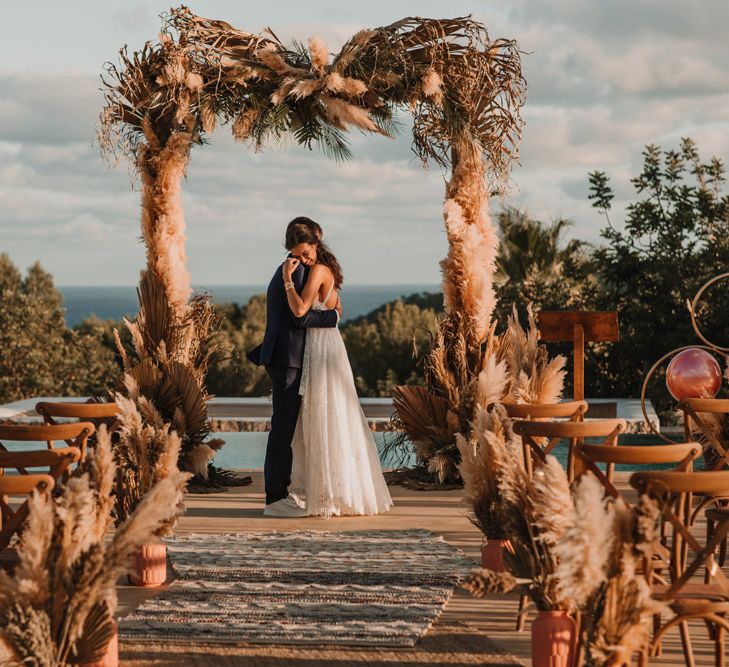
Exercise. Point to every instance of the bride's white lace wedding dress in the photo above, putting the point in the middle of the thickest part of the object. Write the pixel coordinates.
(336, 466)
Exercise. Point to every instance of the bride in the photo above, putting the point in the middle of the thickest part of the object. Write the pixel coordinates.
(336, 466)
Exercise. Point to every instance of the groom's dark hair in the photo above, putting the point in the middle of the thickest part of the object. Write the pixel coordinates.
(301, 227)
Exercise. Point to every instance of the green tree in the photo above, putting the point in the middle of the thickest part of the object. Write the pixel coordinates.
(536, 265)
(675, 237)
(39, 355)
(384, 347)
(241, 330)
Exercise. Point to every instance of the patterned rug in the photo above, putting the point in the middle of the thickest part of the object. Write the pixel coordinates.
(376, 588)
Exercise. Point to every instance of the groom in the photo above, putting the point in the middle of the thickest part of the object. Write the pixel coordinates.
(282, 353)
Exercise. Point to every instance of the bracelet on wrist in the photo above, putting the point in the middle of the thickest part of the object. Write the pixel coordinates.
(289, 285)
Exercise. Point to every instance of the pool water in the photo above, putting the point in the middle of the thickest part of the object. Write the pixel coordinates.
(248, 450)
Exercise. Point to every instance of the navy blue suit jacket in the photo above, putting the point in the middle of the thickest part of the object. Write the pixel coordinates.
(283, 342)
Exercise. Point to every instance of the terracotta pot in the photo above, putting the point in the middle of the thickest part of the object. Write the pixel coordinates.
(492, 554)
(554, 638)
(150, 565)
(111, 657)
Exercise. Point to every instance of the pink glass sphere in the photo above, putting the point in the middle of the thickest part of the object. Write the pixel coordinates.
(693, 373)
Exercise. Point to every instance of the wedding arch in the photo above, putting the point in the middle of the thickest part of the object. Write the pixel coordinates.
(464, 91)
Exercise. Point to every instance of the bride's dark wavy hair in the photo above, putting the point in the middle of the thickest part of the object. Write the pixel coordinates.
(305, 230)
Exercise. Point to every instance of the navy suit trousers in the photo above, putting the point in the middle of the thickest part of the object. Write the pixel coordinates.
(279, 456)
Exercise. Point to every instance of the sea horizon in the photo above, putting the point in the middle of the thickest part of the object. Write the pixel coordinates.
(117, 301)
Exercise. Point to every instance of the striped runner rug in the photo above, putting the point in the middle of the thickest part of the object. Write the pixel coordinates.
(375, 588)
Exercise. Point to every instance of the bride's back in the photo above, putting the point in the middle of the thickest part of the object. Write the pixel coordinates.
(327, 297)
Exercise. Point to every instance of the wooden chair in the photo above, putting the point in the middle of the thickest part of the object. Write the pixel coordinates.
(588, 457)
(718, 457)
(572, 410)
(11, 520)
(716, 454)
(540, 437)
(75, 434)
(708, 601)
(56, 460)
(681, 455)
(567, 410)
(96, 413)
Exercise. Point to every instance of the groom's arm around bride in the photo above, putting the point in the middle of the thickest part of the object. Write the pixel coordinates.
(283, 341)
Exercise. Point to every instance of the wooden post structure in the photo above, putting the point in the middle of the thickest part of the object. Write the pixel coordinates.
(578, 326)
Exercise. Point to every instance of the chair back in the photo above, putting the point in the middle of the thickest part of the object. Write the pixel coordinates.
(588, 456)
(573, 410)
(12, 519)
(540, 437)
(56, 460)
(79, 411)
(75, 434)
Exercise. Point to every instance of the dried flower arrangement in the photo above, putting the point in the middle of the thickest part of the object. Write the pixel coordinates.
(146, 449)
(480, 463)
(465, 378)
(571, 549)
(618, 612)
(164, 372)
(58, 605)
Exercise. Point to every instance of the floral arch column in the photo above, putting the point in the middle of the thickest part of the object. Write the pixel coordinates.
(464, 90)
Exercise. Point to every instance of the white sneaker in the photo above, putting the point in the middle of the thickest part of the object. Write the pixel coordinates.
(286, 508)
(297, 501)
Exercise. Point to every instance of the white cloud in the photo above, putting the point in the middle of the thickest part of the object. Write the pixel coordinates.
(605, 78)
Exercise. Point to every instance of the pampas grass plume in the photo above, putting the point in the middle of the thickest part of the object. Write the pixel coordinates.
(319, 53)
(433, 86)
(583, 555)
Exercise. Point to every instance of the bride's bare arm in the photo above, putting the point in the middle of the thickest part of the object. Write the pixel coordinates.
(300, 305)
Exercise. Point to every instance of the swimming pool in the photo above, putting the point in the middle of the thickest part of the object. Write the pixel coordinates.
(248, 450)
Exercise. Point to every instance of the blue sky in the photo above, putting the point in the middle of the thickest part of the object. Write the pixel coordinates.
(604, 79)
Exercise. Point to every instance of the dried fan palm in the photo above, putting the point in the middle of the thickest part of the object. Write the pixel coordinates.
(167, 367)
(430, 426)
(57, 607)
